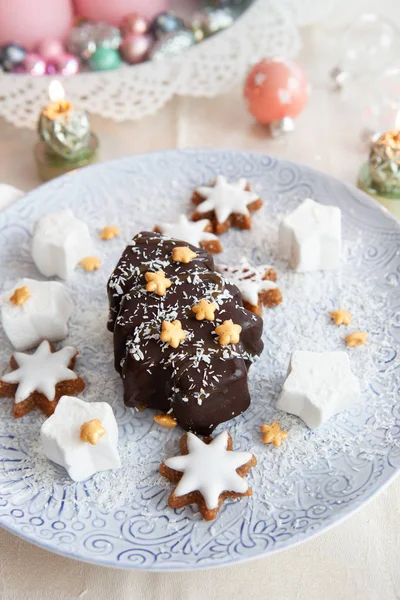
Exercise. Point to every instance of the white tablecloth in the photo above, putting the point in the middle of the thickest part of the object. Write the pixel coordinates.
(356, 560)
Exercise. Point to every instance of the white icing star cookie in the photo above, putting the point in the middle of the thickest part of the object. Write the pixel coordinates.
(226, 199)
(191, 232)
(256, 284)
(41, 371)
(40, 379)
(211, 471)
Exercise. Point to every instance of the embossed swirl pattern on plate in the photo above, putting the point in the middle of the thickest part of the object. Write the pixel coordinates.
(139, 531)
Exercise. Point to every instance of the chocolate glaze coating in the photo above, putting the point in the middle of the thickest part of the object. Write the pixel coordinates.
(203, 382)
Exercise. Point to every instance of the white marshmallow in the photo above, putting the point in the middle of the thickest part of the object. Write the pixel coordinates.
(43, 316)
(60, 437)
(318, 386)
(310, 237)
(60, 242)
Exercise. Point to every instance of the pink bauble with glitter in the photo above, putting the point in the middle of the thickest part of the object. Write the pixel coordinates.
(33, 64)
(67, 64)
(50, 48)
(27, 22)
(133, 23)
(135, 47)
(113, 11)
(276, 88)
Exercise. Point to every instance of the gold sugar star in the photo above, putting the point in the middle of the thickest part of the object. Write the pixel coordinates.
(90, 263)
(273, 434)
(341, 317)
(92, 431)
(157, 282)
(205, 310)
(172, 333)
(20, 295)
(228, 332)
(183, 254)
(109, 232)
(165, 420)
(357, 338)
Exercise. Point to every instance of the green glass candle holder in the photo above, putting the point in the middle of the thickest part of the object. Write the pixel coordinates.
(390, 200)
(50, 165)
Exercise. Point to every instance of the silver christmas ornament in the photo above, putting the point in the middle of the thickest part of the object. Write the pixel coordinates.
(84, 39)
(211, 20)
(173, 44)
(281, 127)
(338, 77)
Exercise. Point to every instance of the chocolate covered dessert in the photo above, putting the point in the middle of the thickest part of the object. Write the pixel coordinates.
(183, 342)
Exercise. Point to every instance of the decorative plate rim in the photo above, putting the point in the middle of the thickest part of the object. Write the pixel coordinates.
(336, 518)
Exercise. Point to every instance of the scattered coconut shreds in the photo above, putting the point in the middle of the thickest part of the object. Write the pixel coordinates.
(301, 322)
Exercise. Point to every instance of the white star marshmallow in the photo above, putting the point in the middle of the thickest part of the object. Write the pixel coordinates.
(226, 198)
(248, 278)
(43, 316)
(310, 237)
(60, 241)
(61, 440)
(191, 232)
(41, 371)
(209, 469)
(318, 386)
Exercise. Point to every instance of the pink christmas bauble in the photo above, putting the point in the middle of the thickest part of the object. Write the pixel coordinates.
(133, 23)
(113, 11)
(135, 47)
(51, 67)
(33, 64)
(276, 88)
(67, 64)
(50, 48)
(29, 21)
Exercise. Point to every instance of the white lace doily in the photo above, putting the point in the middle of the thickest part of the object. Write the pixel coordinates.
(267, 28)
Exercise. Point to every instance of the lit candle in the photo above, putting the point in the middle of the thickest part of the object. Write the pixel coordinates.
(66, 140)
(380, 176)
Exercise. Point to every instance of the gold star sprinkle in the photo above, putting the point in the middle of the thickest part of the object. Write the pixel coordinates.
(165, 421)
(90, 263)
(205, 310)
(20, 295)
(228, 332)
(172, 333)
(341, 317)
(273, 434)
(183, 254)
(157, 282)
(357, 338)
(92, 431)
(109, 232)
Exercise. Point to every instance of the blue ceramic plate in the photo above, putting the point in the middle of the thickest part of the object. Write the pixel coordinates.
(315, 478)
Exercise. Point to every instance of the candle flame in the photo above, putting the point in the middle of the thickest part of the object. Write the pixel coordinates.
(56, 91)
